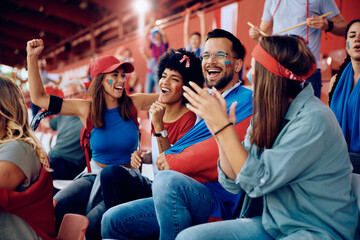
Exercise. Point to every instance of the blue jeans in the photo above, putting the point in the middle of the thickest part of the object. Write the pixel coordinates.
(239, 229)
(121, 185)
(180, 202)
(74, 198)
(315, 81)
(64, 169)
(151, 81)
(137, 219)
(131, 220)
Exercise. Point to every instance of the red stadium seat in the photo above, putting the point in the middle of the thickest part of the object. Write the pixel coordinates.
(73, 227)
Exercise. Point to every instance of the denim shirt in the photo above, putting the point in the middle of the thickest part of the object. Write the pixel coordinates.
(304, 179)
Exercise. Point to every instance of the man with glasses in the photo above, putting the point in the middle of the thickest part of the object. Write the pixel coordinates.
(189, 193)
(67, 158)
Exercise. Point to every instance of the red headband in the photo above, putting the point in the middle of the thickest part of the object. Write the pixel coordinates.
(272, 65)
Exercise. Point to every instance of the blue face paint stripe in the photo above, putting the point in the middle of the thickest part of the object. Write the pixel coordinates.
(110, 81)
(348, 44)
(250, 78)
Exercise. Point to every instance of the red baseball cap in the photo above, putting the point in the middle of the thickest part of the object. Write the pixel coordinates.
(107, 64)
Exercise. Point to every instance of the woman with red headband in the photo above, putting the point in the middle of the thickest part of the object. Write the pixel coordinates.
(294, 157)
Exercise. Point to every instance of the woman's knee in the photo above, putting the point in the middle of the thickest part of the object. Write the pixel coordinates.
(167, 180)
(188, 234)
(106, 223)
(73, 198)
(110, 171)
(115, 173)
(111, 222)
(250, 228)
(168, 184)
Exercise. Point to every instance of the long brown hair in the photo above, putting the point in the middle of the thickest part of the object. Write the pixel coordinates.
(14, 120)
(97, 93)
(272, 93)
(344, 64)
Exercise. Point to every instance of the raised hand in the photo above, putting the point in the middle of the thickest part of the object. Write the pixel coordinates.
(187, 12)
(212, 108)
(157, 111)
(232, 111)
(34, 47)
(254, 33)
(318, 22)
(200, 13)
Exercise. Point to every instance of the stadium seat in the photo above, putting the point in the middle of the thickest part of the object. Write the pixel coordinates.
(73, 227)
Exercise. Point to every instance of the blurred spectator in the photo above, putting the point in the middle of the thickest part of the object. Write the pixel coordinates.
(195, 42)
(67, 158)
(125, 55)
(280, 15)
(88, 76)
(15, 75)
(158, 44)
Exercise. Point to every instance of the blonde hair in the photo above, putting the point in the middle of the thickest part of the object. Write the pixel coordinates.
(14, 120)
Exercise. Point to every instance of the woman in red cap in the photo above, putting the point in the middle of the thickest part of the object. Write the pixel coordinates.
(113, 138)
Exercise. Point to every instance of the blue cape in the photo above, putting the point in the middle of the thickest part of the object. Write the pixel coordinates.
(345, 104)
(199, 132)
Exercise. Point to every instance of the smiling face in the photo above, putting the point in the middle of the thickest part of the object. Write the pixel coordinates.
(195, 41)
(170, 84)
(114, 83)
(219, 73)
(353, 41)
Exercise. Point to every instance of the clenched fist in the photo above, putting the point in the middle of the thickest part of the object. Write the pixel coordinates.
(34, 47)
(157, 111)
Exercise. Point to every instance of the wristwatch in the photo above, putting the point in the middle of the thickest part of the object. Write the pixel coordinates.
(331, 26)
(163, 134)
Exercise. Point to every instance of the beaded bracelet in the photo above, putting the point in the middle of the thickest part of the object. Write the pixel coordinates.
(230, 123)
